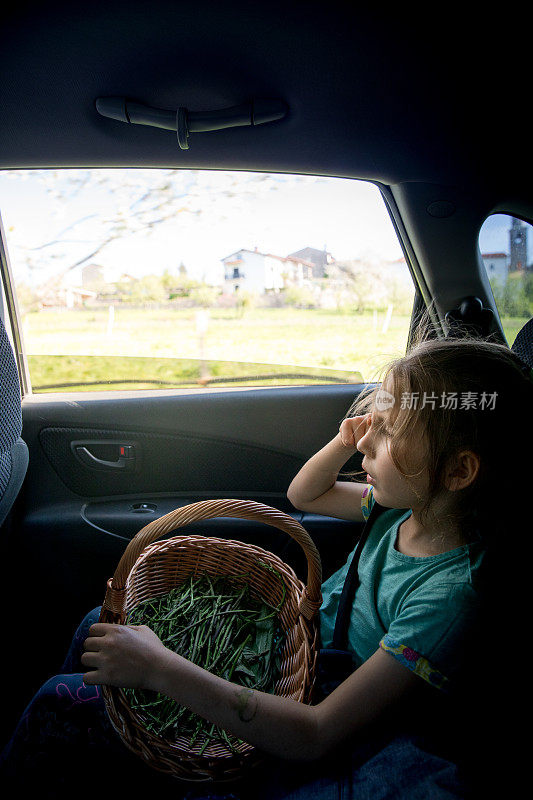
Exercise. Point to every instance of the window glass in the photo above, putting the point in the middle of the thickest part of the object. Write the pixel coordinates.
(506, 245)
(139, 279)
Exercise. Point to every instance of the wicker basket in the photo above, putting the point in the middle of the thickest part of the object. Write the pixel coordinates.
(149, 568)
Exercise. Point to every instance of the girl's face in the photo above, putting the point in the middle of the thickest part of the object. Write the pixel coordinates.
(391, 488)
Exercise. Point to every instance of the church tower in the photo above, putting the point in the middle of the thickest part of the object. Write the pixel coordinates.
(518, 245)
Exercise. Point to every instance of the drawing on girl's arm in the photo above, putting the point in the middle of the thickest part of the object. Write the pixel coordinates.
(246, 705)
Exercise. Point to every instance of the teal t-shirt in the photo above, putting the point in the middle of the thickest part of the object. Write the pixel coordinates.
(418, 609)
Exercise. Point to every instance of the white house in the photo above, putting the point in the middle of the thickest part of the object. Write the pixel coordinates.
(497, 266)
(252, 271)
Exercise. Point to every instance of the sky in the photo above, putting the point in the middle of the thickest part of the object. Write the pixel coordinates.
(213, 214)
(280, 215)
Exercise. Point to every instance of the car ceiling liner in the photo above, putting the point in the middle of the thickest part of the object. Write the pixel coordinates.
(185, 122)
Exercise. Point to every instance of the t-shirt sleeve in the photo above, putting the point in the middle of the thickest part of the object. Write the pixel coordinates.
(367, 501)
(430, 634)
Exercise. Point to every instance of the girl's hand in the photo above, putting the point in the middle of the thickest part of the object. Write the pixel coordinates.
(352, 429)
(127, 656)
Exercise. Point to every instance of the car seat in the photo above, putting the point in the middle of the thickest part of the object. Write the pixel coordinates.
(13, 450)
(523, 344)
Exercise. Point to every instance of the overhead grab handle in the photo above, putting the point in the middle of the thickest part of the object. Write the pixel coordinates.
(185, 122)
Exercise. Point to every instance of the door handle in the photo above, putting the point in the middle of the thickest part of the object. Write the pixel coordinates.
(126, 455)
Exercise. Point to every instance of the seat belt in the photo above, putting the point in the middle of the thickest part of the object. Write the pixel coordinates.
(335, 663)
(342, 620)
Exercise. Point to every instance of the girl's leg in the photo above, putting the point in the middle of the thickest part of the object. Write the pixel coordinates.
(400, 768)
(64, 722)
(72, 661)
(64, 747)
(404, 768)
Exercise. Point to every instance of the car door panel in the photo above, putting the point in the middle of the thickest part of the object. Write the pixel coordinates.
(246, 444)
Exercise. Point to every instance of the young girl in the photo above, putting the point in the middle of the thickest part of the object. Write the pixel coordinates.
(431, 439)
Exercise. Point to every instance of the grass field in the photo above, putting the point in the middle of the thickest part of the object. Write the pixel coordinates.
(145, 348)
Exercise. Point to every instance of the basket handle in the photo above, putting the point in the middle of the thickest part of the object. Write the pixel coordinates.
(208, 509)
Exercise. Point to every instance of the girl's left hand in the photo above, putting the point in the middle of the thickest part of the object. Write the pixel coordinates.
(127, 656)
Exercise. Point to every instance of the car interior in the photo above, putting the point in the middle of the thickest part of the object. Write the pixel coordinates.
(429, 108)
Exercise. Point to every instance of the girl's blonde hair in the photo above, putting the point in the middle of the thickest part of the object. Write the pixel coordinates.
(461, 394)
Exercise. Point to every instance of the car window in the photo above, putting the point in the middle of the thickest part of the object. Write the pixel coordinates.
(506, 245)
(140, 279)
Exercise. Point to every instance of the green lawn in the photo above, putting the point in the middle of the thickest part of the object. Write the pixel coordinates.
(144, 348)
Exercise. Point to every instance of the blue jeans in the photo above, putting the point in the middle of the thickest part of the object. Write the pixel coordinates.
(64, 744)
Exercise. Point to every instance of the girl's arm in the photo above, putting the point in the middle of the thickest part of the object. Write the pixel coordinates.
(133, 656)
(316, 488)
